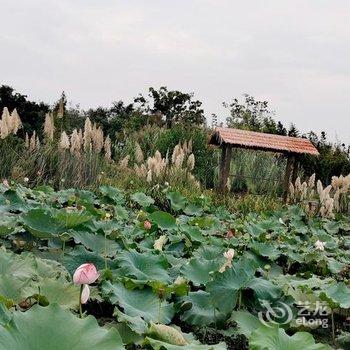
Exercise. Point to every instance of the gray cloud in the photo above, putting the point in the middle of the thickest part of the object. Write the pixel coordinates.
(295, 54)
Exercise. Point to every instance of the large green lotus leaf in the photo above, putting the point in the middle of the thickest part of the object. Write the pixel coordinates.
(292, 284)
(274, 338)
(193, 210)
(337, 295)
(199, 270)
(177, 201)
(27, 265)
(5, 315)
(135, 323)
(59, 292)
(266, 250)
(80, 256)
(206, 222)
(202, 311)
(20, 274)
(247, 323)
(129, 336)
(225, 286)
(13, 290)
(194, 233)
(8, 224)
(41, 224)
(121, 213)
(143, 303)
(71, 219)
(264, 289)
(336, 266)
(15, 200)
(160, 345)
(56, 329)
(96, 242)
(164, 220)
(208, 252)
(142, 199)
(332, 227)
(299, 226)
(46, 268)
(113, 193)
(143, 266)
(18, 266)
(255, 230)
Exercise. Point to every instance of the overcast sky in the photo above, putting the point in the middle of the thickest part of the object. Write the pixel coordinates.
(295, 54)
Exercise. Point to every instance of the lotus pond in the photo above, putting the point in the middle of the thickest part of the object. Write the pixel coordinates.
(190, 276)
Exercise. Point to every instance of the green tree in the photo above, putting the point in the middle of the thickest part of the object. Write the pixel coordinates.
(172, 105)
(250, 115)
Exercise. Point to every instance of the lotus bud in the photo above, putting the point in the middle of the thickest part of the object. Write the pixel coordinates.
(85, 274)
(229, 234)
(147, 225)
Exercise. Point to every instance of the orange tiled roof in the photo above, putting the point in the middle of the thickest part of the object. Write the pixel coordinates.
(262, 141)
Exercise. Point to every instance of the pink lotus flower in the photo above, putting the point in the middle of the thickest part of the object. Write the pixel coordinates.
(147, 225)
(85, 294)
(229, 254)
(5, 183)
(228, 263)
(85, 274)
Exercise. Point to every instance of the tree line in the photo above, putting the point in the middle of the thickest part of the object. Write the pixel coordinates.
(167, 108)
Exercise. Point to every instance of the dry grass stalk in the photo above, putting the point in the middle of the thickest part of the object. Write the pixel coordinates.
(107, 148)
(139, 157)
(49, 127)
(75, 142)
(334, 198)
(9, 123)
(64, 143)
(157, 169)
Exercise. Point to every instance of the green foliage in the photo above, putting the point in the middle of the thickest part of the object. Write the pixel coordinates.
(175, 106)
(274, 338)
(275, 266)
(53, 328)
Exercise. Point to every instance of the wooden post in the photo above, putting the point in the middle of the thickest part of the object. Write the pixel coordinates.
(295, 169)
(290, 161)
(225, 167)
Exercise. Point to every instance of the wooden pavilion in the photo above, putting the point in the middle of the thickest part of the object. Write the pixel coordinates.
(290, 147)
